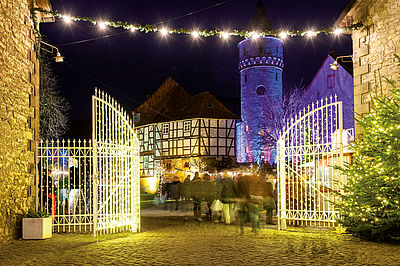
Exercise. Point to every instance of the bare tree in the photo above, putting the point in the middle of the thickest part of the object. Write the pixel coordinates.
(280, 112)
(53, 108)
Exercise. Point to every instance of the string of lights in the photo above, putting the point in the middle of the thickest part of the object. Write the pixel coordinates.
(195, 33)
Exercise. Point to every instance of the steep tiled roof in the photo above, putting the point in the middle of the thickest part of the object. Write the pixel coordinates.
(260, 21)
(172, 102)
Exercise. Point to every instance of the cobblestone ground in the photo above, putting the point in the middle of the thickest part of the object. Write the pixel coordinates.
(173, 237)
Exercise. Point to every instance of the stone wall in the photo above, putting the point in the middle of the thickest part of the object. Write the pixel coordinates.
(374, 48)
(19, 88)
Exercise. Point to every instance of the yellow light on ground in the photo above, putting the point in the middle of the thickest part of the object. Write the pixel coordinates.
(67, 19)
(195, 34)
(283, 35)
(102, 25)
(337, 31)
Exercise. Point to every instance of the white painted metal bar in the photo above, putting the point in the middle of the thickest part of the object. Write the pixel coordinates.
(306, 154)
(95, 185)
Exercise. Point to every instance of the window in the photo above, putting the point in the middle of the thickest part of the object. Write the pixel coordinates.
(245, 78)
(276, 76)
(247, 128)
(165, 129)
(261, 90)
(186, 164)
(168, 165)
(186, 126)
(210, 105)
(330, 81)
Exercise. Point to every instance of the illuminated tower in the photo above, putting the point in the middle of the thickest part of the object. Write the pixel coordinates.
(260, 66)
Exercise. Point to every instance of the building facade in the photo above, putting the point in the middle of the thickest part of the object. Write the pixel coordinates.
(374, 48)
(260, 67)
(179, 133)
(19, 111)
(333, 83)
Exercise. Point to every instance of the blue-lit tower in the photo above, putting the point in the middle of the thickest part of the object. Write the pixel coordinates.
(260, 66)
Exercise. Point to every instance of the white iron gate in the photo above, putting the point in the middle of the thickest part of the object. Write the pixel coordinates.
(95, 187)
(116, 167)
(311, 144)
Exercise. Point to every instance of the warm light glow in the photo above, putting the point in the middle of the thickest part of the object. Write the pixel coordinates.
(311, 33)
(67, 19)
(195, 34)
(102, 25)
(334, 66)
(283, 35)
(337, 31)
(225, 35)
(164, 31)
(255, 35)
(132, 29)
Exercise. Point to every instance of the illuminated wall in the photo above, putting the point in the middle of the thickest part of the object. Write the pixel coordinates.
(261, 67)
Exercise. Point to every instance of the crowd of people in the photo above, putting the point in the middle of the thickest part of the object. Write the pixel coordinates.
(227, 199)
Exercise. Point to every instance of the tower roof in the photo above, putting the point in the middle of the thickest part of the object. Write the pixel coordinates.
(260, 19)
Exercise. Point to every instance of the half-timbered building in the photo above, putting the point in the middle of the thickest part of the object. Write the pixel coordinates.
(177, 130)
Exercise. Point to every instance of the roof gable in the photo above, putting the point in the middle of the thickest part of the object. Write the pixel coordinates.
(172, 102)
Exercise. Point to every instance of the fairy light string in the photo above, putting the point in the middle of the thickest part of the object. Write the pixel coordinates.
(149, 28)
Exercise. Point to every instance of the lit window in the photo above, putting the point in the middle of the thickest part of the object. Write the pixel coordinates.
(247, 149)
(186, 126)
(210, 105)
(165, 129)
(261, 90)
(168, 165)
(330, 81)
(247, 128)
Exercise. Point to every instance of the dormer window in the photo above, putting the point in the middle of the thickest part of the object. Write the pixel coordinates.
(210, 105)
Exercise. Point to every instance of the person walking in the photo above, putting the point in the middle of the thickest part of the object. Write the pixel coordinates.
(256, 193)
(269, 202)
(228, 199)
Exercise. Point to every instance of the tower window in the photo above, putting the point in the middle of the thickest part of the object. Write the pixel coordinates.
(261, 90)
(276, 76)
(245, 78)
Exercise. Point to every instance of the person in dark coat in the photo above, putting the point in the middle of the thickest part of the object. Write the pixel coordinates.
(174, 191)
(228, 199)
(256, 193)
(196, 195)
(269, 202)
(241, 192)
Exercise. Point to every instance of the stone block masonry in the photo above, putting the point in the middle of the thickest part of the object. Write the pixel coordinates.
(374, 50)
(19, 114)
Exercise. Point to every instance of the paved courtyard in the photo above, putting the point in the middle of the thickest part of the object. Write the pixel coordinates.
(173, 237)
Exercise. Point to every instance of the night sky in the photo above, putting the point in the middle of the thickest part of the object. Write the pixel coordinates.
(130, 65)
